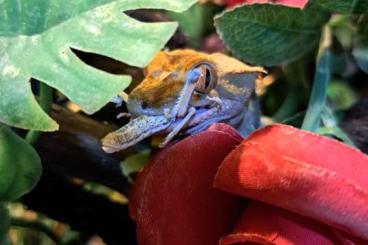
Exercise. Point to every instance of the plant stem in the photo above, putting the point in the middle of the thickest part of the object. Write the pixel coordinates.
(35, 225)
(45, 96)
(295, 76)
(321, 79)
(288, 107)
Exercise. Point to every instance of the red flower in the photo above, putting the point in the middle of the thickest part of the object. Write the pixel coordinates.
(290, 3)
(315, 187)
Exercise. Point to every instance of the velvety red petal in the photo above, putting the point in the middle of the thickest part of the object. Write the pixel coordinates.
(224, 128)
(173, 201)
(290, 3)
(265, 224)
(303, 172)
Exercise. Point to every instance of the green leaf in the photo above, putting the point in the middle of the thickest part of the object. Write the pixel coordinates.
(35, 41)
(318, 96)
(341, 95)
(4, 224)
(135, 163)
(20, 166)
(199, 14)
(270, 34)
(344, 6)
(361, 56)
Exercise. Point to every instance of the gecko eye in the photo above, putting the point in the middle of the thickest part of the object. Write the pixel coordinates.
(207, 80)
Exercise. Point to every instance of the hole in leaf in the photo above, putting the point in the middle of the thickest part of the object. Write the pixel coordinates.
(147, 15)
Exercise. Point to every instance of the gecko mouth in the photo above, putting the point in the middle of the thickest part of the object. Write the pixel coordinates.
(136, 130)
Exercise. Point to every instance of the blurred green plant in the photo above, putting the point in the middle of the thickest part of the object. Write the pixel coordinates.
(361, 56)
(344, 6)
(20, 166)
(4, 224)
(341, 95)
(201, 15)
(28, 227)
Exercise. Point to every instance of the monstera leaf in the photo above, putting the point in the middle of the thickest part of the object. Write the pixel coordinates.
(36, 37)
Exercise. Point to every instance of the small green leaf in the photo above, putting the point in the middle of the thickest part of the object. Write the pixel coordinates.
(4, 224)
(135, 163)
(36, 37)
(318, 96)
(20, 166)
(341, 95)
(344, 6)
(270, 34)
(361, 56)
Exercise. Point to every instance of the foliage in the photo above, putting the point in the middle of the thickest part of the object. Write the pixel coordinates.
(345, 6)
(273, 38)
(20, 166)
(4, 224)
(36, 38)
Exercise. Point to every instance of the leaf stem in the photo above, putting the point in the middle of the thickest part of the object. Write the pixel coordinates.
(45, 96)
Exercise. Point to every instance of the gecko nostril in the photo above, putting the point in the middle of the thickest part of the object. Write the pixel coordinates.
(144, 105)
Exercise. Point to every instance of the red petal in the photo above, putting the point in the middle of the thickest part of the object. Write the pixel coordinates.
(224, 128)
(303, 172)
(264, 224)
(173, 201)
(290, 3)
